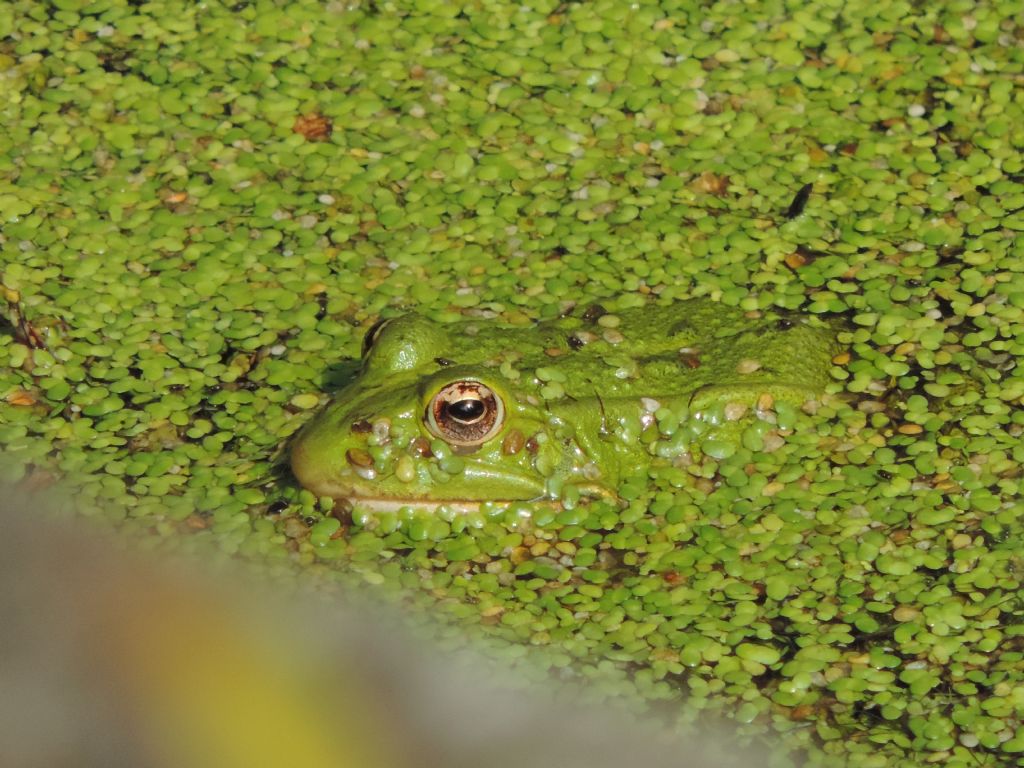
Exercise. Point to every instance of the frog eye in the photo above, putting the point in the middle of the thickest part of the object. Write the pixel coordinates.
(465, 413)
(372, 334)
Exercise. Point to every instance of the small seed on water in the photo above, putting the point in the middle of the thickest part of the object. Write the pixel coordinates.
(795, 260)
(21, 397)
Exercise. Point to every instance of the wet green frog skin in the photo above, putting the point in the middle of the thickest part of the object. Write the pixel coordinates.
(461, 413)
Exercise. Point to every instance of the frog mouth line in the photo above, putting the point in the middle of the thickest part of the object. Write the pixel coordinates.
(459, 506)
(353, 493)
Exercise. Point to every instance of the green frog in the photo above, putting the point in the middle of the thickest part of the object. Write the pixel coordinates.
(459, 414)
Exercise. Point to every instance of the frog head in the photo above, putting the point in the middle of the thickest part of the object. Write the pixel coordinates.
(418, 427)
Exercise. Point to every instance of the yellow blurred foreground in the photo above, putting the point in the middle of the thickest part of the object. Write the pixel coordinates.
(111, 659)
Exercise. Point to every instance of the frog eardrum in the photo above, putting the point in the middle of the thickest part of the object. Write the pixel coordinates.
(465, 413)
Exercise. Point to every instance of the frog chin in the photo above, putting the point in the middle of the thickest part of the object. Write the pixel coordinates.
(366, 491)
(378, 504)
(364, 494)
(368, 500)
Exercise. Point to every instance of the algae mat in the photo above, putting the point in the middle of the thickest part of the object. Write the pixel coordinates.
(204, 206)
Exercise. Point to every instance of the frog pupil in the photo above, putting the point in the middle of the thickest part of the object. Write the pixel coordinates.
(467, 411)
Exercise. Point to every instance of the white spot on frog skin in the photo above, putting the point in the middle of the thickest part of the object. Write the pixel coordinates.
(367, 473)
(649, 405)
(748, 366)
(382, 431)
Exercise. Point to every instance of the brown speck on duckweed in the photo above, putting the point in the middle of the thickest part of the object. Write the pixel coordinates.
(313, 126)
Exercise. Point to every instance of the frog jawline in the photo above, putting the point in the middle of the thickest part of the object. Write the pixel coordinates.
(459, 506)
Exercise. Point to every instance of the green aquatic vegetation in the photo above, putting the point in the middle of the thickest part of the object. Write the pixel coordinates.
(205, 206)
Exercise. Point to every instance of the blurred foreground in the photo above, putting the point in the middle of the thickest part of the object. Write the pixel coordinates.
(111, 659)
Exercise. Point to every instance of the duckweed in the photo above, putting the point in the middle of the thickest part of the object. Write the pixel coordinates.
(204, 206)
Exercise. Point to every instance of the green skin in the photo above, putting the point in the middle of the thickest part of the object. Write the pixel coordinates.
(579, 395)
